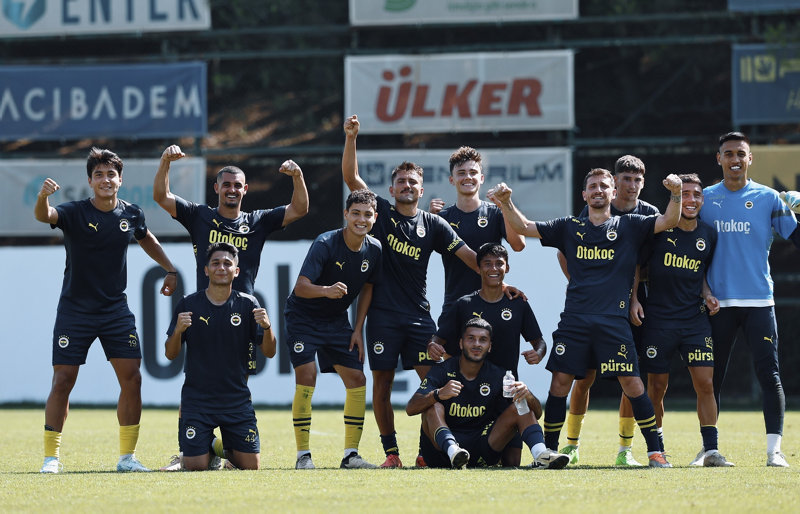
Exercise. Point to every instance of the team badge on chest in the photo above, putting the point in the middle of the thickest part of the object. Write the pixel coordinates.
(611, 235)
(421, 231)
(483, 221)
(124, 225)
(236, 319)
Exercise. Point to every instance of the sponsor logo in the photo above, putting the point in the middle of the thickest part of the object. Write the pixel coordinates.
(581, 234)
(124, 225)
(403, 248)
(732, 226)
(63, 341)
(651, 352)
(394, 222)
(560, 349)
(485, 389)
(16, 12)
(216, 223)
(700, 244)
(236, 319)
(478, 314)
(673, 241)
(453, 244)
(205, 320)
(340, 264)
(451, 374)
(483, 221)
(718, 204)
(613, 366)
(94, 226)
(215, 236)
(466, 411)
(298, 347)
(455, 224)
(190, 432)
(364, 265)
(768, 339)
(506, 314)
(623, 351)
(684, 262)
(611, 235)
(133, 341)
(698, 355)
(595, 254)
(377, 348)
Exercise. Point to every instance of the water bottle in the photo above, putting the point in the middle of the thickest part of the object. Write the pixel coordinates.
(508, 392)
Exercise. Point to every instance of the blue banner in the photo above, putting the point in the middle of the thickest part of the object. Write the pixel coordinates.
(73, 102)
(762, 5)
(766, 84)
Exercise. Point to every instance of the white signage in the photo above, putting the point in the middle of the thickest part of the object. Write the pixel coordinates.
(26, 328)
(34, 18)
(400, 12)
(540, 177)
(24, 178)
(461, 92)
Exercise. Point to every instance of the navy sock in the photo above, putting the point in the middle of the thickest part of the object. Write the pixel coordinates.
(646, 419)
(533, 435)
(389, 443)
(444, 438)
(555, 412)
(709, 434)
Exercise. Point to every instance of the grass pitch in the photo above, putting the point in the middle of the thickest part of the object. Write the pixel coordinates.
(90, 447)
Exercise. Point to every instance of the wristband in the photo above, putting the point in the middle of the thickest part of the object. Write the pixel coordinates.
(172, 273)
(436, 395)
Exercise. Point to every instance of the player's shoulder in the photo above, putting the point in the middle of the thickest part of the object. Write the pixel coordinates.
(492, 370)
(128, 207)
(646, 208)
(373, 243)
(244, 297)
(328, 238)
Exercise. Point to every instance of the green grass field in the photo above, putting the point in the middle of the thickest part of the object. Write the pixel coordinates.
(90, 443)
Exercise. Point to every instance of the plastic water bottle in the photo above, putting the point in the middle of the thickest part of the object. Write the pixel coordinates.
(508, 392)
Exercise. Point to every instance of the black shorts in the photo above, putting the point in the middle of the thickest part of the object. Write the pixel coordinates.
(239, 432)
(330, 342)
(393, 335)
(693, 342)
(73, 335)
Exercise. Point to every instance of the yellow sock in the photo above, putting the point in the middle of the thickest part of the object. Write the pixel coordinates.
(626, 429)
(301, 415)
(52, 443)
(216, 445)
(355, 404)
(574, 426)
(128, 436)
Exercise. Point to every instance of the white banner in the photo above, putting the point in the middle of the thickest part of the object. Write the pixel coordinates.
(417, 12)
(461, 92)
(26, 328)
(540, 177)
(23, 180)
(33, 18)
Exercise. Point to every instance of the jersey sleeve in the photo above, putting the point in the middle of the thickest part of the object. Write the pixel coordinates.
(185, 211)
(66, 212)
(435, 379)
(315, 260)
(256, 332)
(140, 230)
(551, 232)
(376, 262)
(446, 240)
(530, 326)
(181, 307)
(272, 219)
(448, 323)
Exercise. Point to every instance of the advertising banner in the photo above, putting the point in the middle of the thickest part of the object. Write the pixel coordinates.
(23, 179)
(540, 177)
(766, 84)
(461, 92)
(762, 5)
(39, 18)
(26, 330)
(776, 166)
(417, 12)
(130, 100)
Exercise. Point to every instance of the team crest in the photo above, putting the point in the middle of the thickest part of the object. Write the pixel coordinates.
(364, 265)
(377, 348)
(485, 389)
(190, 432)
(298, 347)
(124, 225)
(244, 229)
(236, 319)
(700, 244)
(651, 352)
(133, 341)
(506, 314)
(748, 204)
(560, 349)
(483, 221)
(611, 235)
(421, 231)
(63, 341)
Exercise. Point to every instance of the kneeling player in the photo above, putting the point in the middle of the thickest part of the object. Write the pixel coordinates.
(218, 324)
(340, 264)
(466, 419)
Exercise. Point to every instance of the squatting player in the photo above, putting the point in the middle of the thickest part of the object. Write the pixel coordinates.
(465, 417)
(247, 231)
(400, 323)
(219, 325)
(676, 319)
(93, 304)
(510, 319)
(340, 264)
(744, 214)
(601, 252)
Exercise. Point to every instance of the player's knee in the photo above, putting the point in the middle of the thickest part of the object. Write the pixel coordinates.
(63, 382)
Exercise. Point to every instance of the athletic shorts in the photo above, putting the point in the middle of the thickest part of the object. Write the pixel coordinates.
(73, 335)
(584, 341)
(329, 341)
(693, 342)
(393, 335)
(475, 442)
(239, 432)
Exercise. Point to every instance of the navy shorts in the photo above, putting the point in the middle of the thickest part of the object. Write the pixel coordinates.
(588, 341)
(475, 442)
(330, 342)
(393, 335)
(74, 334)
(694, 343)
(239, 432)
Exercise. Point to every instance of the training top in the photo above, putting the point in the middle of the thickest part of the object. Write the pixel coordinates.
(483, 225)
(480, 400)
(677, 265)
(408, 242)
(247, 233)
(509, 319)
(218, 348)
(328, 261)
(96, 244)
(601, 260)
(744, 220)
(642, 207)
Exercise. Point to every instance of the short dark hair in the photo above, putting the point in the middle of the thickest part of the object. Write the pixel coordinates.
(594, 172)
(102, 156)
(407, 166)
(464, 154)
(733, 136)
(691, 178)
(477, 323)
(629, 164)
(495, 249)
(233, 170)
(222, 247)
(361, 196)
